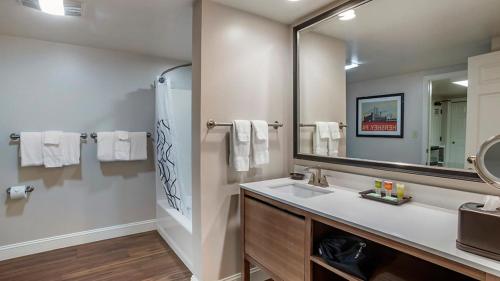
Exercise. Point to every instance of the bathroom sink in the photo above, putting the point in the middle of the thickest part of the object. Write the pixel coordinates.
(301, 190)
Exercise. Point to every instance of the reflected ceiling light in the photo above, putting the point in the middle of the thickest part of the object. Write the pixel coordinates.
(347, 15)
(293, 0)
(351, 66)
(464, 83)
(53, 7)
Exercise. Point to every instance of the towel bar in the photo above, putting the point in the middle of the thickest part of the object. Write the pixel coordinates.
(94, 135)
(212, 124)
(16, 137)
(341, 125)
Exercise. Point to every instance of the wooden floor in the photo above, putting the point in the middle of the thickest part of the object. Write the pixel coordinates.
(140, 257)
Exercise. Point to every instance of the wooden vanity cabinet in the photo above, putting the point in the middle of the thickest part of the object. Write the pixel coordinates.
(281, 240)
(275, 239)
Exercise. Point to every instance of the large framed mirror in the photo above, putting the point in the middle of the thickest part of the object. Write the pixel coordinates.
(400, 85)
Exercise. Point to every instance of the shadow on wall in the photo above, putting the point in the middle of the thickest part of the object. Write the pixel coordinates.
(15, 208)
(129, 169)
(50, 177)
(231, 242)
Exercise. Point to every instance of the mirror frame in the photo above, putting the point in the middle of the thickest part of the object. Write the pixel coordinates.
(371, 164)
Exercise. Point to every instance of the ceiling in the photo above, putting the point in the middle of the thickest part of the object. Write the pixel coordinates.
(283, 11)
(153, 27)
(445, 89)
(390, 37)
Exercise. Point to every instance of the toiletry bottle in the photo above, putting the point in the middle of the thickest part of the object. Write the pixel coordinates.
(388, 188)
(400, 190)
(378, 187)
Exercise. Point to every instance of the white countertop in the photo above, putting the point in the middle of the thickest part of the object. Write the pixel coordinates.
(425, 227)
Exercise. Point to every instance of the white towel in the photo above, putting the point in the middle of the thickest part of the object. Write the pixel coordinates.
(324, 131)
(333, 141)
(138, 146)
(105, 146)
(70, 148)
(320, 144)
(260, 143)
(240, 145)
(52, 137)
(121, 146)
(334, 129)
(123, 135)
(31, 149)
(242, 130)
(51, 149)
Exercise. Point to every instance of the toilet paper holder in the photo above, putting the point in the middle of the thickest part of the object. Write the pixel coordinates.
(29, 188)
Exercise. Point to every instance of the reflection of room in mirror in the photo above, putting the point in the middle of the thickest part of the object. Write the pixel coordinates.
(340, 61)
(323, 89)
(447, 121)
(492, 160)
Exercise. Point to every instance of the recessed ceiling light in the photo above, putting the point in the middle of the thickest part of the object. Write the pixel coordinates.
(53, 7)
(293, 0)
(351, 66)
(347, 15)
(464, 83)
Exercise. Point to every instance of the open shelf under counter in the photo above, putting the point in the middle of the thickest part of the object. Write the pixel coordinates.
(269, 218)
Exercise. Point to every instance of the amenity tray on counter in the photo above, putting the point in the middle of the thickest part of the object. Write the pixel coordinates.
(365, 195)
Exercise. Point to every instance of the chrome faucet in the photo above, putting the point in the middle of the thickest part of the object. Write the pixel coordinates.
(316, 179)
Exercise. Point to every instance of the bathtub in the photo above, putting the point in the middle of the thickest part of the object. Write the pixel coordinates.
(176, 230)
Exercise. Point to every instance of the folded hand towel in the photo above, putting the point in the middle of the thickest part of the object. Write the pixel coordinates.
(333, 147)
(240, 145)
(122, 135)
(105, 146)
(242, 130)
(51, 150)
(121, 146)
(52, 137)
(260, 143)
(70, 148)
(31, 149)
(334, 129)
(333, 141)
(138, 146)
(324, 131)
(320, 144)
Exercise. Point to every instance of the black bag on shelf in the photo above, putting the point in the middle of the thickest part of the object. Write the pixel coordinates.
(347, 253)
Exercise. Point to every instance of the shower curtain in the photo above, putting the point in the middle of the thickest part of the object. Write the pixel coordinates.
(165, 148)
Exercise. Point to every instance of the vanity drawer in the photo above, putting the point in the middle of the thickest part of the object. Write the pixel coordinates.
(275, 239)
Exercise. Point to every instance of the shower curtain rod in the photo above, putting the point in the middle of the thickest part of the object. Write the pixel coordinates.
(162, 79)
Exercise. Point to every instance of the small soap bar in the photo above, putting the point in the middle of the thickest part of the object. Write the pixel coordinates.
(394, 199)
(374, 195)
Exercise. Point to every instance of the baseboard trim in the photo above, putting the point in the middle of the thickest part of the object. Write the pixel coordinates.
(255, 274)
(178, 251)
(73, 239)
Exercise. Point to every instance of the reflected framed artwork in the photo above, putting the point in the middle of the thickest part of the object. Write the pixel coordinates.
(380, 116)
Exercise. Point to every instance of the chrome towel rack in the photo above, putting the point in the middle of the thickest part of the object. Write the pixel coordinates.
(16, 136)
(212, 124)
(341, 125)
(94, 135)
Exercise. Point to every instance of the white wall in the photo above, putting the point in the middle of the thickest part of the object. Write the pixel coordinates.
(47, 85)
(407, 149)
(241, 70)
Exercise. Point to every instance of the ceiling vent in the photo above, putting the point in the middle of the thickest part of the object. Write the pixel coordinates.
(71, 8)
